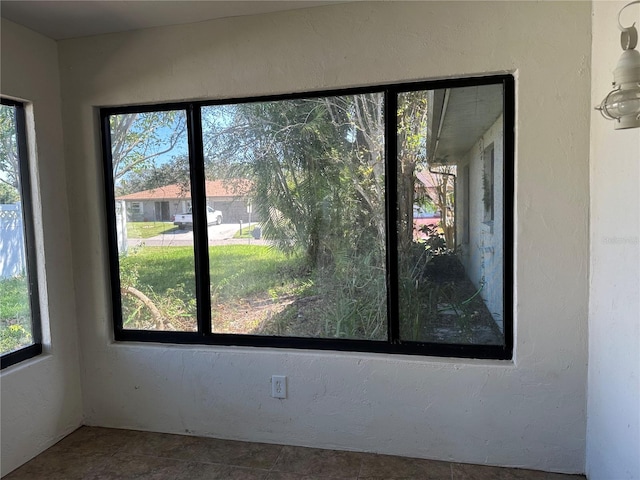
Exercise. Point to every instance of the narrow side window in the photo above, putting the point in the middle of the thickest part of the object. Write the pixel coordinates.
(20, 336)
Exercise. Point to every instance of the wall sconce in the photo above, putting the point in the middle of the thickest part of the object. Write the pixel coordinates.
(622, 104)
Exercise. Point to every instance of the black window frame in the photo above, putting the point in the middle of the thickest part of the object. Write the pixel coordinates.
(35, 349)
(393, 345)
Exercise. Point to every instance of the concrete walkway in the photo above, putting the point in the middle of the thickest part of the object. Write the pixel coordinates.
(218, 235)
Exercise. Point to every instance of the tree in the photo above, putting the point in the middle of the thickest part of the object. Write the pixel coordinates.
(9, 162)
(412, 133)
(362, 118)
(8, 194)
(317, 166)
(137, 139)
(174, 171)
(443, 180)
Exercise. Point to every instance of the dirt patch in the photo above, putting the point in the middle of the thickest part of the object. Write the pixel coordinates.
(248, 315)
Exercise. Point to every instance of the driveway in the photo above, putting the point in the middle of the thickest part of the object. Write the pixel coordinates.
(218, 235)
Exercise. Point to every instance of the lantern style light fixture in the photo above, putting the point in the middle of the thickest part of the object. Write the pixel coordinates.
(622, 104)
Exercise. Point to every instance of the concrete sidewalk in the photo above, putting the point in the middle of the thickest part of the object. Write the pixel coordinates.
(218, 235)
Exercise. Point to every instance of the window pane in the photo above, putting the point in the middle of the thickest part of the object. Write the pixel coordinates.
(16, 330)
(153, 220)
(299, 186)
(450, 215)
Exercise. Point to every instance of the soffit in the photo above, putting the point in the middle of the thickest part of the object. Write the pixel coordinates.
(465, 116)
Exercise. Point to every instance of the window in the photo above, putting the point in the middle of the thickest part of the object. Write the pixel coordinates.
(20, 336)
(326, 220)
(488, 184)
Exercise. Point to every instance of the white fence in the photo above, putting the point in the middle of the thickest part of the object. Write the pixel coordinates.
(13, 259)
(121, 227)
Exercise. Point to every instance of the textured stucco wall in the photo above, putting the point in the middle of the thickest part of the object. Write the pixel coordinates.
(613, 438)
(40, 398)
(529, 412)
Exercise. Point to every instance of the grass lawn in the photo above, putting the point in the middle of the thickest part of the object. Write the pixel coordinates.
(15, 298)
(247, 231)
(235, 270)
(148, 229)
(166, 276)
(15, 314)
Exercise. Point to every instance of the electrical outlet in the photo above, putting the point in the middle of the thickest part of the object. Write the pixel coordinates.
(279, 386)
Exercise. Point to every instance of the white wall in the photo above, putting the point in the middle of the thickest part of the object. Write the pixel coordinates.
(482, 257)
(613, 434)
(530, 412)
(40, 398)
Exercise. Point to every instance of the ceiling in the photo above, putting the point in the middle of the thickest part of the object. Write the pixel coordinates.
(70, 19)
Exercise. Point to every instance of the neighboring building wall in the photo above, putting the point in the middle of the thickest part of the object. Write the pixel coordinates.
(613, 426)
(482, 255)
(146, 211)
(41, 399)
(529, 412)
(233, 209)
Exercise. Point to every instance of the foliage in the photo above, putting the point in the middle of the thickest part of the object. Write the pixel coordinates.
(15, 314)
(317, 166)
(9, 166)
(435, 243)
(305, 159)
(137, 139)
(8, 194)
(13, 337)
(247, 230)
(166, 276)
(442, 178)
(171, 172)
(412, 129)
(15, 299)
(355, 298)
(438, 303)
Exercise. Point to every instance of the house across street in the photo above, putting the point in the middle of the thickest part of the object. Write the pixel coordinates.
(162, 204)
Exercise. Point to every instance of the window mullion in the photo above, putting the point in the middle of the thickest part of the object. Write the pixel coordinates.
(391, 148)
(199, 209)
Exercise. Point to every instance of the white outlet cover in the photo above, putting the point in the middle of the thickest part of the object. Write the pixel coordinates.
(279, 386)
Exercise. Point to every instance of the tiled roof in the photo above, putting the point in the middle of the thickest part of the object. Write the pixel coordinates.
(214, 188)
(426, 180)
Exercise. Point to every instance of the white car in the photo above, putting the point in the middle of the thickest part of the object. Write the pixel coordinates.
(185, 220)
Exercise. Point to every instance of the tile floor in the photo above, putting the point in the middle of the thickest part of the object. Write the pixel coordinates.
(106, 454)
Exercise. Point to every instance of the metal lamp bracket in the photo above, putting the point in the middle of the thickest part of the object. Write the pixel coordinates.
(629, 35)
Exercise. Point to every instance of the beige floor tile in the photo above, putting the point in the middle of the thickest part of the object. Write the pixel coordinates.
(52, 465)
(481, 472)
(229, 452)
(378, 467)
(300, 476)
(324, 463)
(95, 440)
(92, 453)
(124, 466)
(206, 471)
(160, 445)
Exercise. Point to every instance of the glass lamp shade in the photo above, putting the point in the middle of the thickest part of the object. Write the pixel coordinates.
(622, 104)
